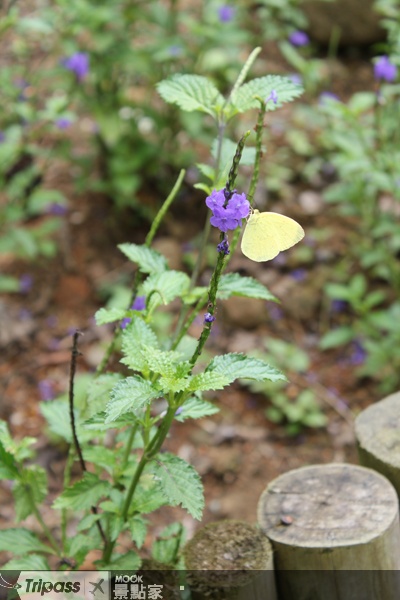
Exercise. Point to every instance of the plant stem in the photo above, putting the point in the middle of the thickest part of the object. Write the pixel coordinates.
(46, 530)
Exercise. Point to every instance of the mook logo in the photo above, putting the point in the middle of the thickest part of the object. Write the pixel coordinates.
(45, 587)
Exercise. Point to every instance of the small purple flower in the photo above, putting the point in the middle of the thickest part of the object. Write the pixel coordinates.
(384, 69)
(296, 79)
(78, 63)
(299, 274)
(327, 96)
(226, 12)
(2, 137)
(338, 306)
(25, 283)
(46, 389)
(139, 304)
(358, 354)
(273, 96)
(275, 312)
(208, 318)
(175, 50)
(63, 123)
(299, 38)
(227, 213)
(56, 209)
(223, 246)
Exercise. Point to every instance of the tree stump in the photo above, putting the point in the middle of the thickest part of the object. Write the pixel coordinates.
(230, 560)
(378, 438)
(335, 533)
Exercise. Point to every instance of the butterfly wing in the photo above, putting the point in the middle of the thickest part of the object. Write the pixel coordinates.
(269, 233)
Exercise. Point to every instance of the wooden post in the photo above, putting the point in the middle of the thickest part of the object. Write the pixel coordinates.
(335, 533)
(230, 560)
(378, 438)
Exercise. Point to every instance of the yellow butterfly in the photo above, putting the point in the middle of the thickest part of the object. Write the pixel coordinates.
(269, 233)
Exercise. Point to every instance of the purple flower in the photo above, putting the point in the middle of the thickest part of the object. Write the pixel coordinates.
(63, 123)
(175, 50)
(273, 96)
(226, 12)
(358, 354)
(2, 137)
(57, 209)
(299, 274)
(384, 69)
(223, 246)
(327, 96)
(25, 283)
(338, 306)
(78, 63)
(46, 389)
(139, 304)
(299, 38)
(227, 212)
(296, 79)
(208, 318)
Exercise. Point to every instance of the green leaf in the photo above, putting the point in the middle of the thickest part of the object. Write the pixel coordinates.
(29, 491)
(84, 493)
(196, 408)
(234, 284)
(87, 522)
(8, 468)
(337, 337)
(9, 284)
(130, 395)
(98, 394)
(109, 315)
(180, 483)
(136, 335)
(149, 260)
(245, 96)
(19, 449)
(191, 92)
(30, 562)
(130, 561)
(148, 497)
(21, 541)
(57, 416)
(138, 529)
(162, 362)
(162, 288)
(235, 366)
(168, 544)
(209, 381)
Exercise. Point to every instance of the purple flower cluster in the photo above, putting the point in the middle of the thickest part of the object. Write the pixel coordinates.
(226, 13)
(384, 69)
(228, 208)
(78, 63)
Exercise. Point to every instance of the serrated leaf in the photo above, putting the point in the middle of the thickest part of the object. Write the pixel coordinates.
(84, 493)
(147, 499)
(191, 92)
(162, 288)
(109, 315)
(21, 541)
(130, 395)
(29, 491)
(8, 468)
(196, 408)
(87, 522)
(243, 98)
(209, 381)
(162, 362)
(138, 529)
(98, 393)
(235, 366)
(81, 544)
(148, 259)
(136, 335)
(19, 449)
(101, 457)
(233, 284)
(30, 562)
(180, 483)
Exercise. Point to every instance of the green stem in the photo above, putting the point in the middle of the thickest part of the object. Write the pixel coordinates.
(161, 213)
(129, 446)
(46, 530)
